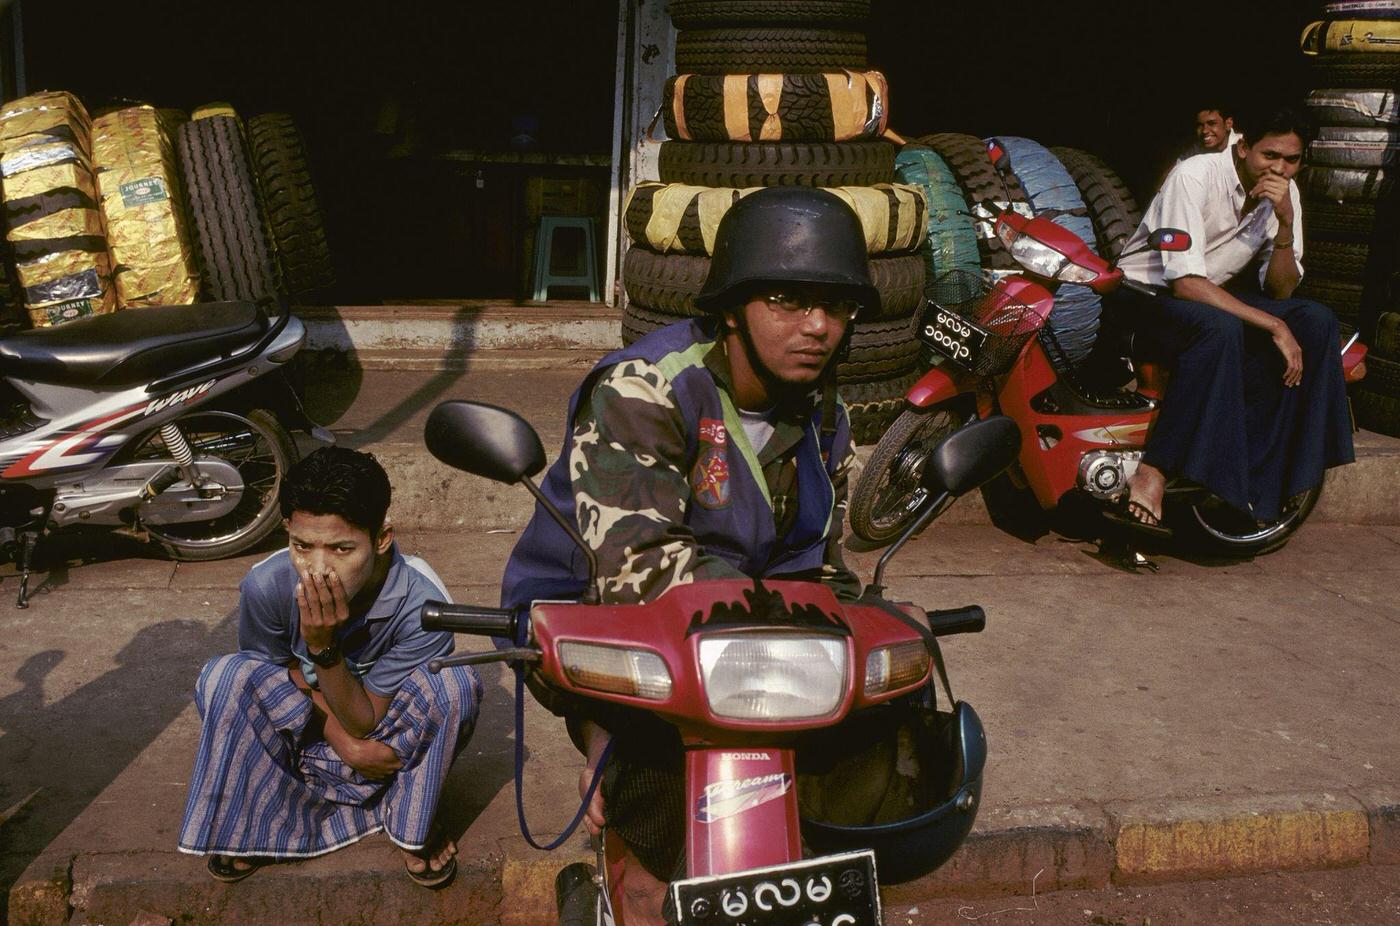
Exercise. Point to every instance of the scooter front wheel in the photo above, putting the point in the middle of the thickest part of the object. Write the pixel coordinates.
(1225, 530)
(888, 497)
(260, 449)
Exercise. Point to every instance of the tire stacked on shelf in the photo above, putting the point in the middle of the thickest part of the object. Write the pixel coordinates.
(234, 250)
(776, 93)
(289, 199)
(1351, 209)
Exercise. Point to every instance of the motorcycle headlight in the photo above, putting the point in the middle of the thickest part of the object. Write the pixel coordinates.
(636, 672)
(1041, 259)
(777, 677)
(891, 667)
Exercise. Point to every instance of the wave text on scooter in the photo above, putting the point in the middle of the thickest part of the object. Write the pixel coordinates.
(736, 795)
(177, 398)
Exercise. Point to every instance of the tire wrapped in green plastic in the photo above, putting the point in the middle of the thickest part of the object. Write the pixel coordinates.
(951, 239)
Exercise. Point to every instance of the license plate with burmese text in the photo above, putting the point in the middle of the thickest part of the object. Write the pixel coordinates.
(834, 890)
(952, 336)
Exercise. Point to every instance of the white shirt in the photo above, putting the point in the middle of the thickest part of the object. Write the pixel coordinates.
(1197, 149)
(1203, 195)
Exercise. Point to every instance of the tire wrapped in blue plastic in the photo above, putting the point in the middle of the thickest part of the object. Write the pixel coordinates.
(1075, 319)
(951, 240)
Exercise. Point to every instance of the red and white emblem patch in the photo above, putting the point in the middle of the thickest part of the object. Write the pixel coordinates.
(709, 478)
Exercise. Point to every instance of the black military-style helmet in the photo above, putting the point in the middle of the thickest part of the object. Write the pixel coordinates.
(788, 235)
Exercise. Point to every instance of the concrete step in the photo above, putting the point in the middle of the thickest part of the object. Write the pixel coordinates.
(452, 329)
(383, 409)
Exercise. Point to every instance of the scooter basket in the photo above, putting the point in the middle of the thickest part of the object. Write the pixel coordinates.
(1000, 324)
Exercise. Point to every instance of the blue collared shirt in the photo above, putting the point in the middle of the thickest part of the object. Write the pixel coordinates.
(382, 647)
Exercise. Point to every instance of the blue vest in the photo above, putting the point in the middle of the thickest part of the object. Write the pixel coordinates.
(729, 510)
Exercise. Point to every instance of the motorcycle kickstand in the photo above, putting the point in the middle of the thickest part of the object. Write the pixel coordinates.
(29, 540)
(1121, 550)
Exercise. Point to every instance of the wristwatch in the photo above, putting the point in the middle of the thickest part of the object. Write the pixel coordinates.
(326, 657)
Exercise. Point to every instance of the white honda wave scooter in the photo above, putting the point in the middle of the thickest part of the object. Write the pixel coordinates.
(168, 424)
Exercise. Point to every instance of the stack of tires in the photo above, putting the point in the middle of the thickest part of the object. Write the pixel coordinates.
(53, 224)
(1351, 207)
(254, 206)
(773, 93)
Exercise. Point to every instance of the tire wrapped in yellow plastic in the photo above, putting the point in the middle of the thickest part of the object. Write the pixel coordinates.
(1346, 36)
(682, 219)
(139, 185)
(830, 107)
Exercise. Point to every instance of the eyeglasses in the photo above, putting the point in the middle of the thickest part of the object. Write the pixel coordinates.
(793, 305)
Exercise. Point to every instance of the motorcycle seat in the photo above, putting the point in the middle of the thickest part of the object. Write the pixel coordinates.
(127, 347)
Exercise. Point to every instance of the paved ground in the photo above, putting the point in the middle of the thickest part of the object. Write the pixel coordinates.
(1215, 718)
(1117, 706)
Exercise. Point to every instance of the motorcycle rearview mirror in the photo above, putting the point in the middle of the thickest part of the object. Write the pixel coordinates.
(1161, 239)
(1001, 161)
(498, 444)
(959, 463)
(484, 440)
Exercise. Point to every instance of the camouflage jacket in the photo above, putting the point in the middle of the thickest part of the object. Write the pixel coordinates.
(630, 478)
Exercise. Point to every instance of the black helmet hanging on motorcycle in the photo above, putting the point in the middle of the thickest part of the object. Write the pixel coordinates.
(788, 235)
(908, 788)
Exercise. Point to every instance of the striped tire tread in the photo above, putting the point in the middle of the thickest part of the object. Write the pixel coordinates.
(1376, 412)
(1339, 221)
(966, 156)
(786, 50)
(667, 283)
(284, 176)
(1341, 296)
(700, 14)
(745, 164)
(233, 247)
(880, 350)
(1386, 341)
(1114, 211)
(1344, 259)
(874, 405)
(1361, 71)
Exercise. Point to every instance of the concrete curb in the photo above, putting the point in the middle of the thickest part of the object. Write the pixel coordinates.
(1013, 851)
(431, 496)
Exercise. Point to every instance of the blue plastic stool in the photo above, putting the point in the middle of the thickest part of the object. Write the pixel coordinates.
(583, 270)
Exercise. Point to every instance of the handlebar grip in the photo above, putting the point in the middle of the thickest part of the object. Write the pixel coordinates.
(1140, 288)
(465, 618)
(971, 619)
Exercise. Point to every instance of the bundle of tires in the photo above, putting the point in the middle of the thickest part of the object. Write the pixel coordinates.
(253, 205)
(1351, 202)
(776, 93)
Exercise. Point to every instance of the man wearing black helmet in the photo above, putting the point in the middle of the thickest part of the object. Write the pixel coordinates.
(712, 448)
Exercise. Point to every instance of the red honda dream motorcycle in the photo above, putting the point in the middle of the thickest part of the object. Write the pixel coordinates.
(743, 670)
(992, 353)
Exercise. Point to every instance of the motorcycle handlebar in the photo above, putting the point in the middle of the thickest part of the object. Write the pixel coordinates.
(464, 618)
(1141, 288)
(971, 619)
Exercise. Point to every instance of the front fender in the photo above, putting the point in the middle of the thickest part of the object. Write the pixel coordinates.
(935, 386)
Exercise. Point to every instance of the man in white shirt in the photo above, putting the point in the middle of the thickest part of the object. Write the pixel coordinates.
(1256, 407)
(1215, 131)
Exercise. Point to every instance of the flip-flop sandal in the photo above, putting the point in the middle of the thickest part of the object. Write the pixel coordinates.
(221, 867)
(1123, 514)
(433, 879)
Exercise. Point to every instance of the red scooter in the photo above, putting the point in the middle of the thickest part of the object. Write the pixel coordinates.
(993, 354)
(744, 671)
